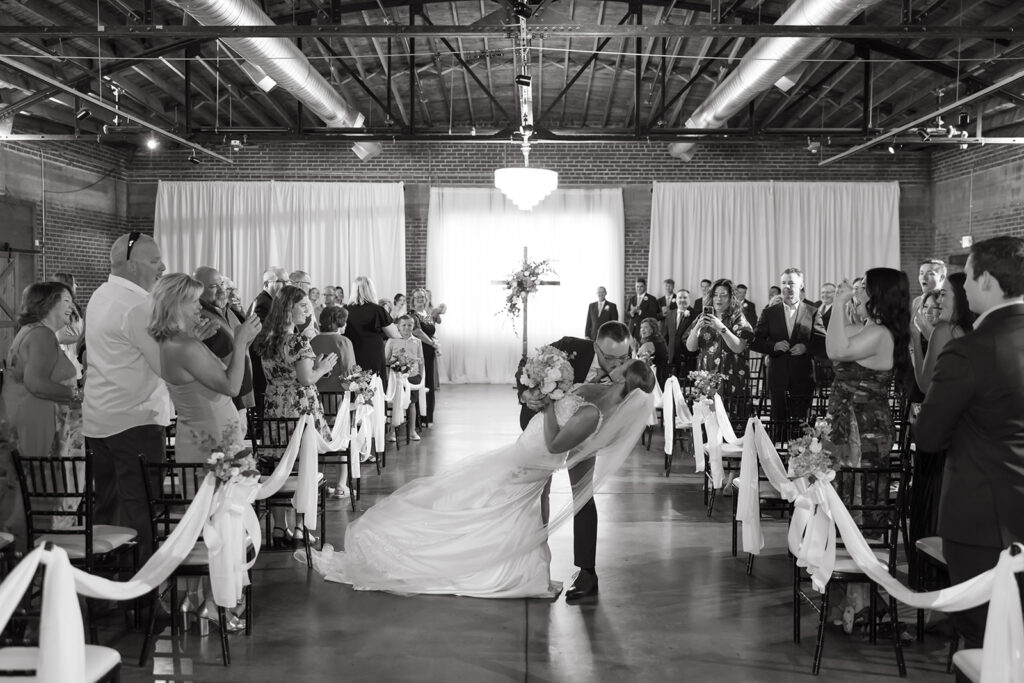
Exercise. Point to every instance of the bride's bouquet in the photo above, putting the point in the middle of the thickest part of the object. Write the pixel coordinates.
(547, 375)
(359, 382)
(808, 454)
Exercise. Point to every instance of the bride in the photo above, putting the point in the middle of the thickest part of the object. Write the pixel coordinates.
(475, 529)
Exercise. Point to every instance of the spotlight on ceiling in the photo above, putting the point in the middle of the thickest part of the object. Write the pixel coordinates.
(193, 159)
(963, 119)
(892, 146)
(521, 10)
(82, 114)
(923, 134)
(523, 80)
(813, 146)
(152, 142)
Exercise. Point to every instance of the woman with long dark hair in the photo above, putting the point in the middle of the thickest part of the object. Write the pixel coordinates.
(955, 319)
(867, 357)
(721, 336)
(292, 370)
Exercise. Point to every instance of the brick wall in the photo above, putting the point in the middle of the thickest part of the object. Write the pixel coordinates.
(80, 195)
(978, 192)
(633, 166)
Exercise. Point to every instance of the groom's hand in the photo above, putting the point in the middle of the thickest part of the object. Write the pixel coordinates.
(535, 404)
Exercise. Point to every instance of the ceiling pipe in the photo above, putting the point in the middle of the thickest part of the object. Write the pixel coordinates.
(767, 61)
(282, 61)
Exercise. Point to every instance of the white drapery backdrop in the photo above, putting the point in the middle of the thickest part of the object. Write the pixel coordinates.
(475, 235)
(750, 232)
(333, 231)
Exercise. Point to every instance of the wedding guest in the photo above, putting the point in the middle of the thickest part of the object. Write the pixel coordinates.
(221, 338)
(292, 370)
(233, 311)
(866, 358)
(425, 330)
(202, 389)
(680, 360)
(332, 339)
(71, 337)
(301, 279)
(945, 315)
(790, 334)
(318, 304)
(703, 300)
(748, 307)
(435, 311)
(973, 412)
(653, 347)
(368, 325)
(399, 307)
(41, 396)
(339, 295)
(667, 302)
(641, 305)
(720, 338)
(599, 312)
(773, 291)
(413, 348)
(386, 305)
(274, 278)
(127, 407)
(930, 275)
(823, 374)
(329, 297)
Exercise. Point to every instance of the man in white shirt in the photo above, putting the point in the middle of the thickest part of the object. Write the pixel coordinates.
(127, 406)
(599, 312)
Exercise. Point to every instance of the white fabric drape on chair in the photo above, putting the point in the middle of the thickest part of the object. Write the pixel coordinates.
(334, 231)
(751, 232)
(475, 236)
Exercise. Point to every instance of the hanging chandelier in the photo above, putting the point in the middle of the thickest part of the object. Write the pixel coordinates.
(524, 185)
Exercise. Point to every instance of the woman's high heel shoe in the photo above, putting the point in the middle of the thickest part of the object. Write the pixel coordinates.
(297, 535)
(281, 537)
(190, 612)
(209, 615)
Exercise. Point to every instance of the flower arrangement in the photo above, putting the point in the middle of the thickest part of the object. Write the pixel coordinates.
(547, 375)
(228, 468)
(402, 363)
(358, 381)
(521, 284)
(808, 454)
(705, 384)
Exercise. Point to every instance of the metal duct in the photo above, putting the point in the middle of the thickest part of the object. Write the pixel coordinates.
(768, 61)
(280, 59)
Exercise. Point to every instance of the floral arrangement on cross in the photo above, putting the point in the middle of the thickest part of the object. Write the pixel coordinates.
(521, 284)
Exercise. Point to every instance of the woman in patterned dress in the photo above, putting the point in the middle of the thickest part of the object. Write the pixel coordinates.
(721, 336)
(292, 369)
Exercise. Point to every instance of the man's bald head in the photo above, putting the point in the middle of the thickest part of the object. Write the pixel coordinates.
(213, 285)
(137, 258)
(300, 279)
(274, 278)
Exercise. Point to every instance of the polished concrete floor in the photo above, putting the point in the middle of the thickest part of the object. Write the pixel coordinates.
(674, 604)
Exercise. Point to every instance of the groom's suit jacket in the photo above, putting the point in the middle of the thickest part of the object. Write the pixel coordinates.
(973, 410)
(581, 357)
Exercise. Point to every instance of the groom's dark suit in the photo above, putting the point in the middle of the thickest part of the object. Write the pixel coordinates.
(584, 527)
(973, 412)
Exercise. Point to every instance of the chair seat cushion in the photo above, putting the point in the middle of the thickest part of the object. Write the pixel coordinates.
(199, 554)
(968, 663)
(846, 565)
(932, 547)
(105, 538)
(99, 661)
(292, 483)
(764, 489)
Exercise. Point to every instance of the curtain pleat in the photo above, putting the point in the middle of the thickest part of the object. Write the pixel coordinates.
(476, 236)
(750, 232)
(334, 231)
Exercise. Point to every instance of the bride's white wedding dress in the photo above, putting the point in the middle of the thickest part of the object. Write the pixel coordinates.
(475, 529)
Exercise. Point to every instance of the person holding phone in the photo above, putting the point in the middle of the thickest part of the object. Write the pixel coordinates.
(719, 336)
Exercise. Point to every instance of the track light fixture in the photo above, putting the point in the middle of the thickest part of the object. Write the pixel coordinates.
(152, 143)
(892, 146)
(193, 159)
(523, 80)
(923, 134)
(82, 114)
(521, 10)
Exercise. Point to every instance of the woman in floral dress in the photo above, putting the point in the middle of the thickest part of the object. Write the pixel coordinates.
(721, 337)
(291, 368)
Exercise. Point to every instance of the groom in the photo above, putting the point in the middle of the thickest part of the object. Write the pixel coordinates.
(592, 361)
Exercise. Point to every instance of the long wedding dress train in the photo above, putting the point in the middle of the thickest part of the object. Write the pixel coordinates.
(475, 529)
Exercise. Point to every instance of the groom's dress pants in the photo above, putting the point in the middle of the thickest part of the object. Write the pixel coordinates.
(584, 523)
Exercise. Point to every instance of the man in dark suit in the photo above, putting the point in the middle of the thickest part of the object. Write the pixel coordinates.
(640, 306)
(749, 309)
(703, 300)
(973, 411)
(823, 373)
(676, 324)
(790, 333)
(274, 279)
(667, 303)
(600, 312)
(592, 361)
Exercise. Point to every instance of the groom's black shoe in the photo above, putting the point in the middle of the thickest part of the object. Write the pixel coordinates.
(584, 586)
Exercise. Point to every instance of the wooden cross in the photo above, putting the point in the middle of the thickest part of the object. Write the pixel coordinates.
(525, 299)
